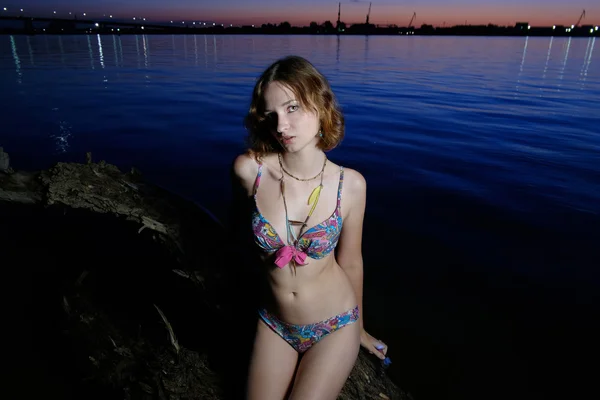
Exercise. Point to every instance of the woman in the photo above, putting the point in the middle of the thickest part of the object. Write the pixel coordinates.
(305, 207)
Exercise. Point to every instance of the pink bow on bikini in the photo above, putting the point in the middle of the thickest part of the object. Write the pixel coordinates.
(287, 253)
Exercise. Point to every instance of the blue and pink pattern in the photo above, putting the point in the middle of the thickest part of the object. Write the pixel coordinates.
(317, 242)
(302, 337)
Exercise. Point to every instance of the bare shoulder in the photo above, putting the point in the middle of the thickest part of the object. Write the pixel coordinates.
(245, 167)
(354, 192)
(354, 182)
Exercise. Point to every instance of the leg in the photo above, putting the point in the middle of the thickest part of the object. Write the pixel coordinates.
(325, 367)
(272, 365)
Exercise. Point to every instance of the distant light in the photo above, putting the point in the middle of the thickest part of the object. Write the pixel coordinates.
(528, 26)
(118, 29)
(194, 23)
(84, 14)
(253, 26)
(171, 21)
(134, 18)
(144, 19)
(591, 31)
(112, 30)
(142, 27)
(213, 24)
(110, 16)
(4, 8)
(205, 24)
(21, 10)
(69, 12)
(97, 24)
(572, 26)
(596, 28)
(554, 27)
(54, 11)
(230, 24)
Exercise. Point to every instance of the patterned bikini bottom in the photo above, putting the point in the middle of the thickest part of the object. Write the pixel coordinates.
(302, 337)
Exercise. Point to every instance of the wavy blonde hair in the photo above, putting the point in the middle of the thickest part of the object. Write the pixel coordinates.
(313, 92)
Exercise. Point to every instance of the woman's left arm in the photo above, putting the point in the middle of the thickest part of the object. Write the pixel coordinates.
(349, 250)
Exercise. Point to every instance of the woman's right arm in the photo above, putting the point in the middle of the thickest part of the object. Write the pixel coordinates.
(243, 175)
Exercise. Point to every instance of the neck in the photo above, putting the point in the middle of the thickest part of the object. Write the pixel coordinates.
(304, 164)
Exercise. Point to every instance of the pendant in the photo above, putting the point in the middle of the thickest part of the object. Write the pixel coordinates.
(314, 198)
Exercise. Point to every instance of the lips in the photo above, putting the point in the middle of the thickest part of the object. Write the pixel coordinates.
(287, 139)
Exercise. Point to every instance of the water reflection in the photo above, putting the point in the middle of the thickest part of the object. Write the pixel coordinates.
(90, 51)
(588, 61)
(15, 54)
(144, 40)
(548, 56)
(100, 51)
(337, 52)
(30, 50)
(62, 137)
(522, 64)
(115, 50)
(137, 49)
(195, 50)
(185, 47)
(215, 48)
(121, 50)
(562, 70)
(205, 52)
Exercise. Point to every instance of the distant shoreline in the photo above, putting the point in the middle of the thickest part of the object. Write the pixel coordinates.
(35, 26)
(258, 32)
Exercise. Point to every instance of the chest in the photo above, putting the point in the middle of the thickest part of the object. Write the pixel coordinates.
(289, 203)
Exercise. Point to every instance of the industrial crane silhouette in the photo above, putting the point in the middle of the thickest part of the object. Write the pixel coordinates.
(580, 18)
(411, 20)
(369, 13)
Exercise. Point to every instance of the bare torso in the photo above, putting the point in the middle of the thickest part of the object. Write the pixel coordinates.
(320, 289)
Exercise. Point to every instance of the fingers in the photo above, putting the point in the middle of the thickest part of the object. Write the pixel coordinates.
(374, 346)
(381, 347)
(378, 350)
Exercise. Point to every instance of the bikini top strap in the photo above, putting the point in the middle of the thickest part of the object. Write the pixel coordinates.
(339, 195)
(257, 180)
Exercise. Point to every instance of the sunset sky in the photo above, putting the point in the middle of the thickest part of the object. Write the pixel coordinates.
(300, 13)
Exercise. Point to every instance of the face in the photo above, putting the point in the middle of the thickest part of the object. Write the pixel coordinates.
(293, 125)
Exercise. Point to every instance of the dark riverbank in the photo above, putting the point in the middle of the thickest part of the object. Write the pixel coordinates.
(118, 290)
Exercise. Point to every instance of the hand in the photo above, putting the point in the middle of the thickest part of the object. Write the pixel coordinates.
(373, 345)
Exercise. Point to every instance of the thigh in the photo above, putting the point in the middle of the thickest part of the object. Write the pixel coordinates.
(325, 367)
(272, 365)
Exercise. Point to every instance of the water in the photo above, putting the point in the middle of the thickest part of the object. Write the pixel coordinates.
(481, 156)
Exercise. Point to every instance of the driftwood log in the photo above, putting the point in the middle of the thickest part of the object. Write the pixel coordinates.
(160, 319)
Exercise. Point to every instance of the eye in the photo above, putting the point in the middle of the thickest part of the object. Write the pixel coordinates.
(293, 108)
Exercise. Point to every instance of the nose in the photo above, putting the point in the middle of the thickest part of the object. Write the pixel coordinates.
(282, 123)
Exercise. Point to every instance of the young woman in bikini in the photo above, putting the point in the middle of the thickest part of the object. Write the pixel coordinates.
(307, 220)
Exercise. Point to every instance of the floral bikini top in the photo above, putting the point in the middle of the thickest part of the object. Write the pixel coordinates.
(317, 242)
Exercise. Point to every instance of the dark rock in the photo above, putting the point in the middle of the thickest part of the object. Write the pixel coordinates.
(4, 161)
